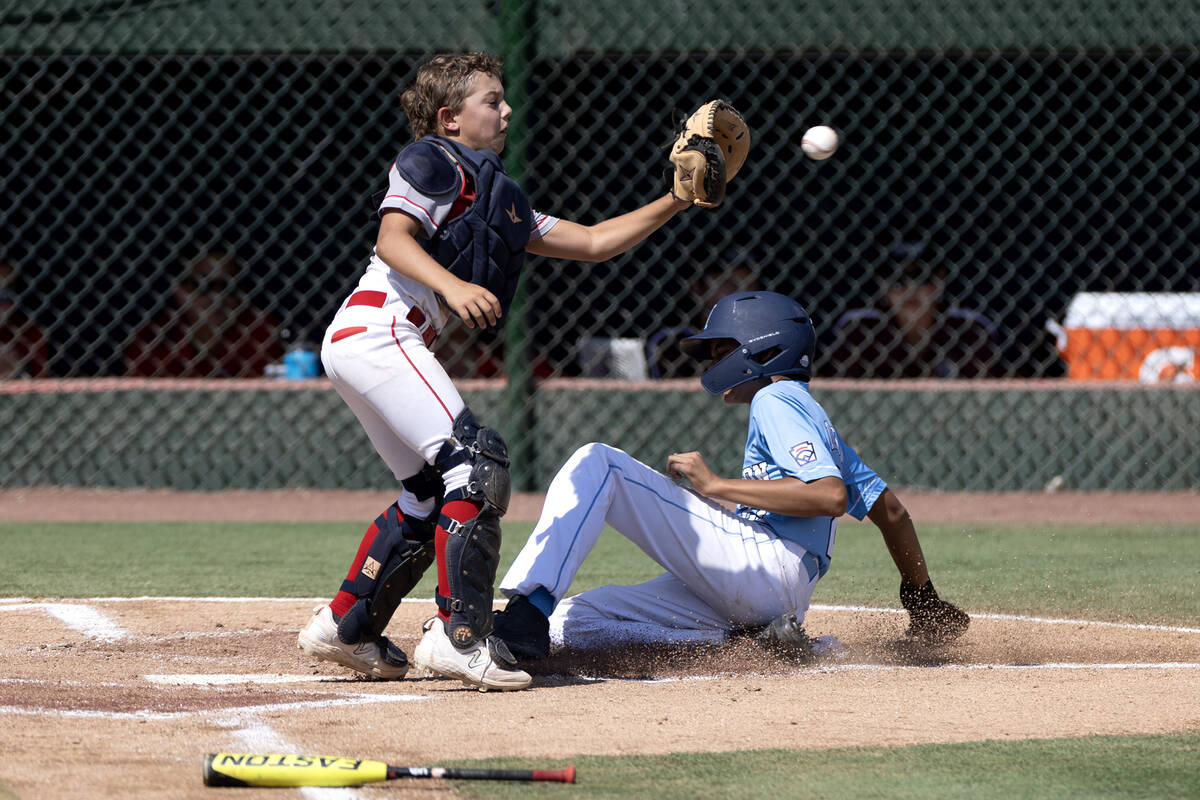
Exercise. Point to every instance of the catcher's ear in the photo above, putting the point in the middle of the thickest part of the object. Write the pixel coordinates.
(447, 119)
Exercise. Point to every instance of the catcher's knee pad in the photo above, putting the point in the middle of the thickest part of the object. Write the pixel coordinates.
(472, 555)
(483, 448)
(396, 560)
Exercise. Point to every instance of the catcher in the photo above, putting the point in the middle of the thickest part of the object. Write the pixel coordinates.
(726, 572)
(453, 231)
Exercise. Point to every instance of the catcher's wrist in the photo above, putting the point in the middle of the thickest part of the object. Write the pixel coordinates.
(678, 202)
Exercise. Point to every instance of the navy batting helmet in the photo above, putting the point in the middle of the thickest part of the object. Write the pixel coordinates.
(774, 336)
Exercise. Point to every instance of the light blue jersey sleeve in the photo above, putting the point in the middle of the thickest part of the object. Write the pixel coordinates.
(810, 459)
(863, 486)
(795, 437)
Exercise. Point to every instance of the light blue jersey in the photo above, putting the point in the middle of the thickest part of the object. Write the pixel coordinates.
(791, 436)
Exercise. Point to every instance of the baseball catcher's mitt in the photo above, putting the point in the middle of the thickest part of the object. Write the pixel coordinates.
(708, 152)
(931, 619)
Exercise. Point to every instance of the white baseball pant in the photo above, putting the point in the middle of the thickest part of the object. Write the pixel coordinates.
(379, 361)
(723, 571)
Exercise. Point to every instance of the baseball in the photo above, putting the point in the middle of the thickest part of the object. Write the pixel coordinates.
(819, 142)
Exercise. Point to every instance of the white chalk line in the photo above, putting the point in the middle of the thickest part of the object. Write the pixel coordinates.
(187, 636)
(258, 737)
(1021, 618)
(814, 607)
(194, 599)
(80, 616)
(266, 708)
(252, 733)
(77, 616)
(235, 678)
(834, 668)
(1164, 665)
(200, 679)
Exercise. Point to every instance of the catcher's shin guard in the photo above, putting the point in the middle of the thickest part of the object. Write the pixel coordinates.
(473, 545)
(399, 556)
(472, 555)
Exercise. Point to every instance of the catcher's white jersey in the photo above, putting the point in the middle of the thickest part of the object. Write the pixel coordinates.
(724, 569)
(432, 214)
(377, 350)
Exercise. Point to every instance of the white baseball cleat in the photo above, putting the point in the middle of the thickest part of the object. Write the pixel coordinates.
(375, 659)
(474, 666)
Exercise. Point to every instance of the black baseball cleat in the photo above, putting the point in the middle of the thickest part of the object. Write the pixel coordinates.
(524, 628)
(783, 637)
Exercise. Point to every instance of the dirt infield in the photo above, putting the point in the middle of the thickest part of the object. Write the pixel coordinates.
(120, 698)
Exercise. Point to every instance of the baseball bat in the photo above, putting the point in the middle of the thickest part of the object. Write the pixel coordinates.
(281, 769)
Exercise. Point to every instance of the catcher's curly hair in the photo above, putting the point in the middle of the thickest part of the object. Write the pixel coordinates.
(444, 80)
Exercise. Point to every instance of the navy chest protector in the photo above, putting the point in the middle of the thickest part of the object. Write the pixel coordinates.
(484, 245)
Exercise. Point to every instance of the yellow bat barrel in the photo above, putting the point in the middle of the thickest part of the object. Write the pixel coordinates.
(282, 769)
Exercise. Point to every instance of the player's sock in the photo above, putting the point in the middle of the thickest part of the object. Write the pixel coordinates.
(343, 600)
(542, 600)
(459, 511)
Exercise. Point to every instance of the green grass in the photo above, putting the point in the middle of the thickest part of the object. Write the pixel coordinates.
(1099, 767)
(1147, 573)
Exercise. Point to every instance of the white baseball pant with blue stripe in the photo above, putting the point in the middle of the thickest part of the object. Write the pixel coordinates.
(722, 572)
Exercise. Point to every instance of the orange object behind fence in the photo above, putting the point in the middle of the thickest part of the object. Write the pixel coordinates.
(1139, 336)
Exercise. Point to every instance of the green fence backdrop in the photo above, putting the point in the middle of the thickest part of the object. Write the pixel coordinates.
(181, 172)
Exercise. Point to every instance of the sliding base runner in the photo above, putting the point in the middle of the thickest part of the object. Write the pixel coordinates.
(280, 769)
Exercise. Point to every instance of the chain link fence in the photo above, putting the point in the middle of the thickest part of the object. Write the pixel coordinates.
(186, 194)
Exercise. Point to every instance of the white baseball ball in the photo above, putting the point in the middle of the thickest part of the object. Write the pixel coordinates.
(819, 142)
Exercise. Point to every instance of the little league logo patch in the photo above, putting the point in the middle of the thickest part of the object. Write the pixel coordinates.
(804, 453)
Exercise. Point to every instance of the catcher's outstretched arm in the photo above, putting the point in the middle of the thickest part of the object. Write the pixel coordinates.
(606, 239)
